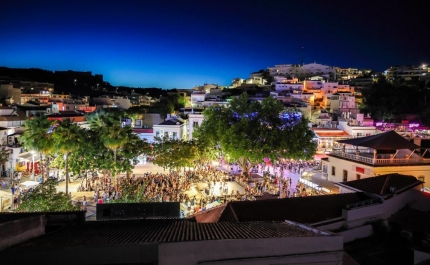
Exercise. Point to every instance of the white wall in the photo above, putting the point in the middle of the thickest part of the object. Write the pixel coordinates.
(416, 170)
(349, 166)
(192, 118)
(180, 130)
(303, 250)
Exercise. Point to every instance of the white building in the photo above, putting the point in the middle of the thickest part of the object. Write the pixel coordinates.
(236, 82)
(327, 138)
(256, 79)
(356, 125)
(346, 73)
(312, 85)
(197, 99)
(288, 86)
(342, 102)
(407, 72)
(303, 71)
(379, 154)
(172, 127)
(194, 121)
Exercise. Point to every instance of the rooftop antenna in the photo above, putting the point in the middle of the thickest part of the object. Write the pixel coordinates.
(302, 57)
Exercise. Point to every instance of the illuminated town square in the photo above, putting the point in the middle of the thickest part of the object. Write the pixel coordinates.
(245, 132)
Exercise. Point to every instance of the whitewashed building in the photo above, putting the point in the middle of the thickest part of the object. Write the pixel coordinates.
(379, 154)
(172, 127)
(194, 121)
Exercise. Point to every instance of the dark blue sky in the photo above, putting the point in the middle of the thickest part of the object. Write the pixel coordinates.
(181, 44)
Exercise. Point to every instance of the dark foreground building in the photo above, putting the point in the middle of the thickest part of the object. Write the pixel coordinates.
(173, 241)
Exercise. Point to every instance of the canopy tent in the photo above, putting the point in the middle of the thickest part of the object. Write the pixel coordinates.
(28, 156)
(386, 140)
(5, 200)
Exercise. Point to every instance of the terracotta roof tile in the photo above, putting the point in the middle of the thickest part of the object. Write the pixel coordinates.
(209, 216)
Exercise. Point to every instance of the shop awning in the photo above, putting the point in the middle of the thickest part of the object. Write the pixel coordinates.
(29, 156)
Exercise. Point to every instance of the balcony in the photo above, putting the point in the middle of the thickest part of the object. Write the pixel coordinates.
(366, 157)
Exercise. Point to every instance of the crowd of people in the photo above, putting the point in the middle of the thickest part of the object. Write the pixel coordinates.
(199, 189)
(175, 186)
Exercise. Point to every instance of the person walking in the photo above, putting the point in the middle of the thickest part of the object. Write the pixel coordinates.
(84, 203)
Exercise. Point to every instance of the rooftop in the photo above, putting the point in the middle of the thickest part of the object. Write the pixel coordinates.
(162, 231)
(136, 130)
(368, 158)
(172, 122)
(305, 210)
(381, 185)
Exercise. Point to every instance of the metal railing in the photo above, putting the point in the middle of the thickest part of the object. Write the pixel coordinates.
(354, 155)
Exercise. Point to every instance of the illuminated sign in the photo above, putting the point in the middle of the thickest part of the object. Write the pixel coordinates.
(359, 170)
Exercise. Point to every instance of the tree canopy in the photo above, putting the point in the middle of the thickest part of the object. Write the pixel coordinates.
(37, 136)
(385, 100)
(45, 198)
(250, 131)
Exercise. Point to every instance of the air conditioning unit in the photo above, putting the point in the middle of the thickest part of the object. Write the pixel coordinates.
(10, 140)
(48, 110)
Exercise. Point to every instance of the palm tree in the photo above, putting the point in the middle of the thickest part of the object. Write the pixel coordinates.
(37, 137)
(67, 138)
(112, 134)
(97, 120)
(114, 137)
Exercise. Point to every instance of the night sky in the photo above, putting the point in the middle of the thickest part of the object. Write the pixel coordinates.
(180, 44)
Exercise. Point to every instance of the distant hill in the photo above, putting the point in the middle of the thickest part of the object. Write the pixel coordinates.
(73, 82)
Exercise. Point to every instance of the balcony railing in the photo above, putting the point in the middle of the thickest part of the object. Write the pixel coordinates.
(367, 157)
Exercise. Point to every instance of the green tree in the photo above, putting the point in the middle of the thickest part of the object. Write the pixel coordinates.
(68, 137)
(385, 100)
(204, 151)
(173, 153)
(37, 136)
(106, 133)
(45, 198)
(250, 131)
(4, 156)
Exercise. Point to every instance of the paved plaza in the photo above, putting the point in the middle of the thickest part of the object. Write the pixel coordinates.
(197, 191)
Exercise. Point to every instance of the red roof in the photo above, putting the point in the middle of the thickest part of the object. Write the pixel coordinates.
(332, 134)
(210, 216)
(143, 130)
